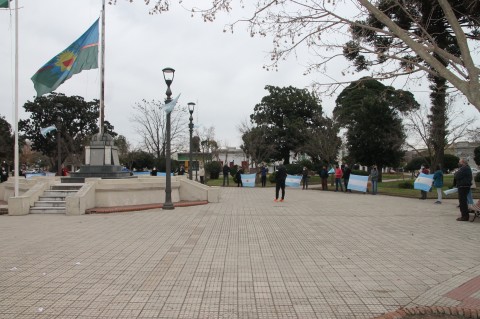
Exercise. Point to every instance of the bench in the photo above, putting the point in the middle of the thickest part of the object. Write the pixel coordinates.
(475, 210)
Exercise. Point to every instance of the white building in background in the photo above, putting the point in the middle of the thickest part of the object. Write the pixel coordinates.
(232, 156)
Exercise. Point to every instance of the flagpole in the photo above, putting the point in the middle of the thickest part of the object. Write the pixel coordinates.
(102, 72)
(16, 151)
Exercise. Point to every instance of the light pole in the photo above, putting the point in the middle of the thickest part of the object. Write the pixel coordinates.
(191, 108)
(59, 150)
(168, 75)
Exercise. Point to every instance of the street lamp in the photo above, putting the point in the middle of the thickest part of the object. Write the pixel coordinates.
(168, 75)
(191, 108)
(59, 150)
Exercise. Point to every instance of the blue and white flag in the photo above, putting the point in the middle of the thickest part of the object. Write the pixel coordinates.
(423, 182)
(358, 183)
(44, 131)
(293, 180)
(170, 105)
(331, 171)
(248, 180)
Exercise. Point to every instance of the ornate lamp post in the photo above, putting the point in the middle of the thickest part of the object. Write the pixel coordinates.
(168, 75)
(59, 149)
(191, 108)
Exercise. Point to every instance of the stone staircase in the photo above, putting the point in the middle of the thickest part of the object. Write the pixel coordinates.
(53, 200)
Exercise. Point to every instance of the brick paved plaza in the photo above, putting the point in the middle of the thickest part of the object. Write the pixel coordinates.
(317, 255)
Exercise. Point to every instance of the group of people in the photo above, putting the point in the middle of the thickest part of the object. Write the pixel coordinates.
(463, 180)
(342, 177)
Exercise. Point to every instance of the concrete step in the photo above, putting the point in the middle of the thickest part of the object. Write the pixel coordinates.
(53, 198)
(56, 203)
(71, 187)
(48, 210)
(59, 193)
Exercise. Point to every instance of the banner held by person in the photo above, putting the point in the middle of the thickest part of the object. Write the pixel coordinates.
(80, 55)
(358, 183)
(248, 180)
(293, 181)
(423, 182)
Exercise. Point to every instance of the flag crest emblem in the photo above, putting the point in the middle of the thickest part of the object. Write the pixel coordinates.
(80, 55)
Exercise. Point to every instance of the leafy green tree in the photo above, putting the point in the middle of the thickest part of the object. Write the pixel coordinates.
(75, 119)
(256, 145)
(287, 115)
(432, 18)
(370, 111)
(476, 155)
(7, 141)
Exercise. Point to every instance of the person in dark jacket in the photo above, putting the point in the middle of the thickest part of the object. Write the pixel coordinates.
(154, 172)
(238, 177)
(305, 177)
(463, 181)
(226, 173)
(280, 177)
(263, 175)
(346, 176)
(324, 176)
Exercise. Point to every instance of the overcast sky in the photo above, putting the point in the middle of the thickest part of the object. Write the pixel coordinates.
(221, 72)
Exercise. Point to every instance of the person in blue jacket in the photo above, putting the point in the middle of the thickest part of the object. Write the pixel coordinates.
(438, 183)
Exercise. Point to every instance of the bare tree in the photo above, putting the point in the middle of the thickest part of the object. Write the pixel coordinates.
(255, 143)
(150, 118)
(420, 130)
(317, 23)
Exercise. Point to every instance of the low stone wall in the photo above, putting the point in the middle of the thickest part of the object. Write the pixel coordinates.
(98, 192)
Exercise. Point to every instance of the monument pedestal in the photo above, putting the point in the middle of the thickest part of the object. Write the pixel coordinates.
(101, 160)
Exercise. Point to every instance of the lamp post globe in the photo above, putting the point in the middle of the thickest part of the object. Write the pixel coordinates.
(168, 75)
(191, 108)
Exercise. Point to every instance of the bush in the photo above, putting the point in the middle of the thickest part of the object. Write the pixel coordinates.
(294, 169)
(406, 185)
(213, 169)
(272, 177)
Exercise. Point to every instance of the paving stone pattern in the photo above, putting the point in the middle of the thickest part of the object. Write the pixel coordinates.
(316, 255)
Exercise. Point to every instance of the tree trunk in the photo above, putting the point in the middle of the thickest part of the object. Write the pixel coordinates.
(438, 118)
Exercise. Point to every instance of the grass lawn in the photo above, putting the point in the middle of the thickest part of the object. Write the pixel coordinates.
(386, 188)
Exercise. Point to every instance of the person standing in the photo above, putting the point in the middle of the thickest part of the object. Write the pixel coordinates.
(463, 181)
(263, 175)
(280, 177)
(154, 172)
(238, 177)
(425, 171)
(181, 170)
(346, 176)
(324, 176)
(305, 177)
(470, 195)
(338, 178)
(201, 173)
(374, 179)
(226, 173)
(3, 174)
(438, 183)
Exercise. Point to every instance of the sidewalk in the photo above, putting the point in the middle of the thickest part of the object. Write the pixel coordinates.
(316, 255)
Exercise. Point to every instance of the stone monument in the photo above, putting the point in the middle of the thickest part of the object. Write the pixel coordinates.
(101, 160)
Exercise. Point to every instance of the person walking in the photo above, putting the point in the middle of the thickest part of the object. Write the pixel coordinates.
(425, 171)
(346, 177)
(338, 178)
(305, 177)
(324, 177)
(374, 179)
(463, 181)
(263, 175)
(438, 183)
(226, 174)
(280, 177)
